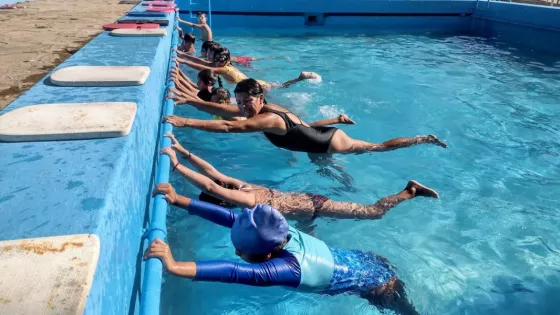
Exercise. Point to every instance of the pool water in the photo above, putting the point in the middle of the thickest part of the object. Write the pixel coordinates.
(489, 246)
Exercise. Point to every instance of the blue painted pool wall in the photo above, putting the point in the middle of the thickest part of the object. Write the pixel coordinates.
(323, 6)
(253, 25)
(288, 16)
(531, 26)
(528, 25)
(117, 283)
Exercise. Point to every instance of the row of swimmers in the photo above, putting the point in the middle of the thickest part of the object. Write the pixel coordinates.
(276, 254)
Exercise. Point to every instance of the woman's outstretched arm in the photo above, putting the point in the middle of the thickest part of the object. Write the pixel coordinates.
(203, 166)
(237, 197)
(261, 122)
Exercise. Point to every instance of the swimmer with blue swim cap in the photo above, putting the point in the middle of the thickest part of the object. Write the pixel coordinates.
(280, 255)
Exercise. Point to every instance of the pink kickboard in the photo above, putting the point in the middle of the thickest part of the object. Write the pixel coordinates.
(159, 4)
(110, 27)
(165, 6)
(161, 9)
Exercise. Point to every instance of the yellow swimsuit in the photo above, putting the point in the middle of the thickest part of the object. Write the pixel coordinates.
(234, 73)
(239, 76)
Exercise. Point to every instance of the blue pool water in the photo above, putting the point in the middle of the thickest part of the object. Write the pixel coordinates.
(488, 246)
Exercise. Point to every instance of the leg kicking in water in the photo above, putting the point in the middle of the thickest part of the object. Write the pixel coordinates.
(276, 254)
(221, 189)
(286, 130)
(351, 210)
(302, 77)
(342, 143)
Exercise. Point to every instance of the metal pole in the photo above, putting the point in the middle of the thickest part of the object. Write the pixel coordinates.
(210, 12)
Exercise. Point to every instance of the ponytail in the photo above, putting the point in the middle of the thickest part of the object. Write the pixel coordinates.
(220, 84)
(221, 54)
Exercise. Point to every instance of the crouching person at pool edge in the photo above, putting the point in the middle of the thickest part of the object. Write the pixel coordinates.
(280, 255)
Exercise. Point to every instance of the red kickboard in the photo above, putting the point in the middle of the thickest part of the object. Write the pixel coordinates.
(159, 4)
(165, 6)
(161, 9)
(110, 27)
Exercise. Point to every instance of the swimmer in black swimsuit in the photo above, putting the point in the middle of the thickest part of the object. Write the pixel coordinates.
(284, 129)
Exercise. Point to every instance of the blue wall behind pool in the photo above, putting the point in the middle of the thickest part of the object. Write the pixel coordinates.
(527, 25)
(91, 186)
(531, 26)
(366, 16)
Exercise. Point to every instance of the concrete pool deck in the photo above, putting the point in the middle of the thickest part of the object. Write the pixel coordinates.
(98, 187)
(36, 39)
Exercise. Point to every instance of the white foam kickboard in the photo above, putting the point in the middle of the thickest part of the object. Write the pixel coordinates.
(124, 32)
(48, 275)
(72, 121)
(100, 76)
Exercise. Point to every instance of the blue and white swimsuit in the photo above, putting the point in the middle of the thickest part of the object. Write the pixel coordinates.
(306, 263)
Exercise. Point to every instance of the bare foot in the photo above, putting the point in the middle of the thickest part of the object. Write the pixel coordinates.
(309, 75)
(343, 119)
(417, 189)
(434, 140)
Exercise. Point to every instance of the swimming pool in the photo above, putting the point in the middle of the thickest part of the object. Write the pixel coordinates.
(488, 246)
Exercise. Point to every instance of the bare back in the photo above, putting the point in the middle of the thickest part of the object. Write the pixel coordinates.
(294, 206)
(291, 115)
(206, 33)
(232, 74)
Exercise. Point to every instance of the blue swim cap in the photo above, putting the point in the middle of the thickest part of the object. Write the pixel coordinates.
(259, 230)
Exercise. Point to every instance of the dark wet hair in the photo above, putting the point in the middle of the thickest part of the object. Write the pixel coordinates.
(189, 38)
(200, 14)
(209, 77)
(249, 86)
(213, 200)
(181, 34)
(222, 94)
(221, 54)
(209, 44)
